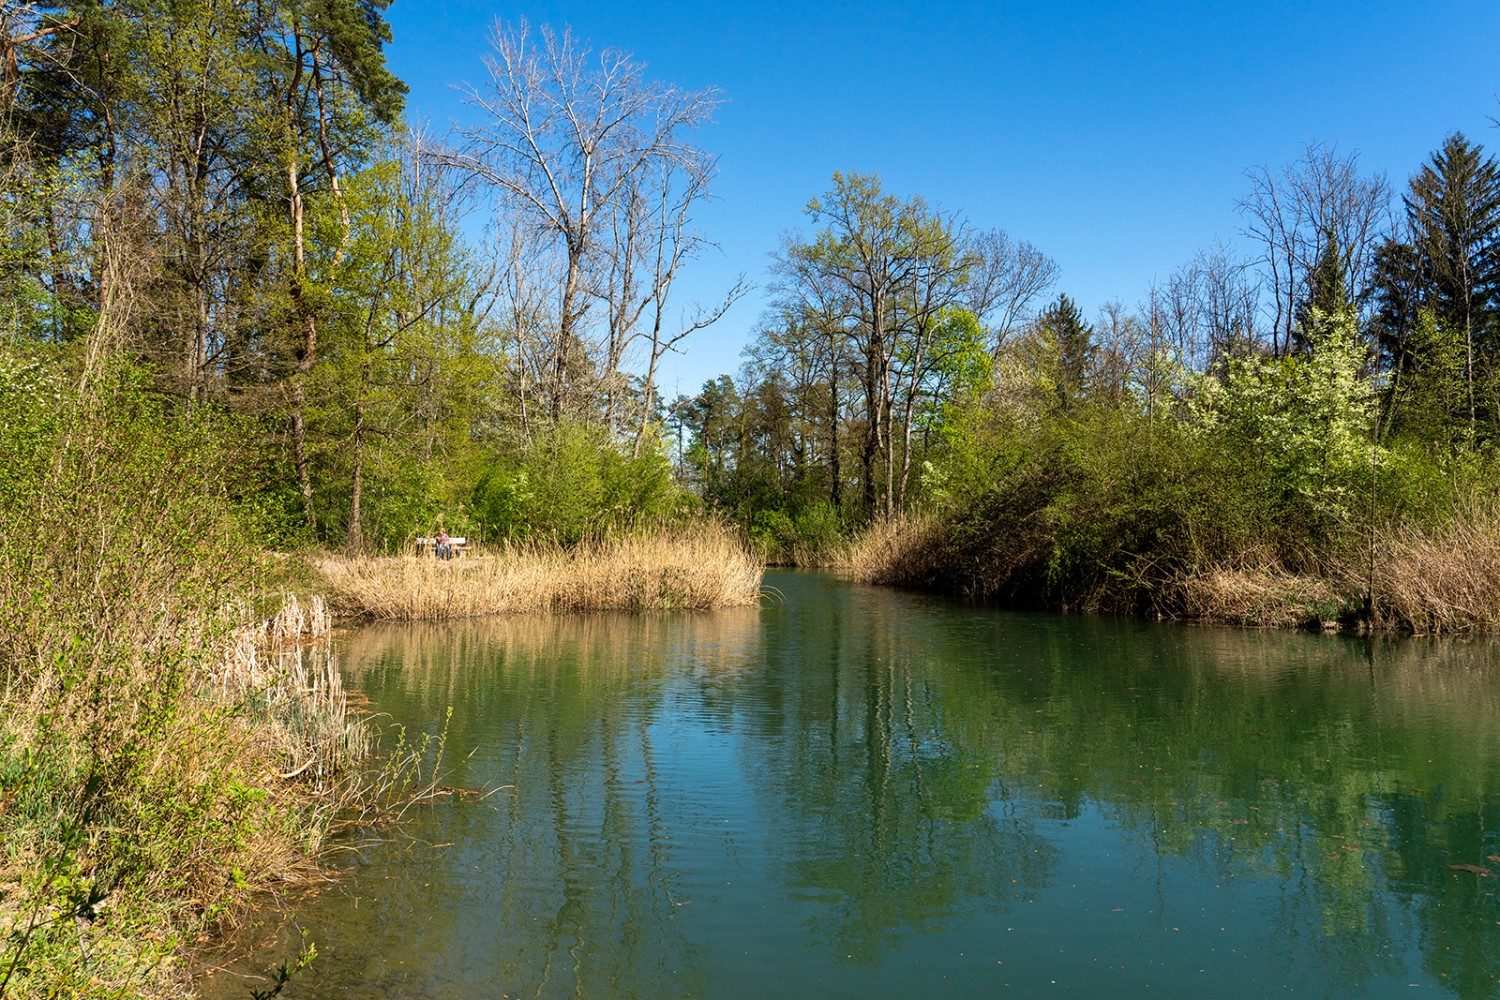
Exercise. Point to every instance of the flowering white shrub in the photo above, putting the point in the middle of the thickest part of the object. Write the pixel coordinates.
(1305, 418)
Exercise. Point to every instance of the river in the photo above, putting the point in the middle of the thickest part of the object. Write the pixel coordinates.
(857, 792)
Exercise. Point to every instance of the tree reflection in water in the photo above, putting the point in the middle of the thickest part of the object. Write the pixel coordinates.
(859, 792)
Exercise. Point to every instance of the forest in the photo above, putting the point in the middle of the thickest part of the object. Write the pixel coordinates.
(404, 329)
(254, 316)
(1303, 435)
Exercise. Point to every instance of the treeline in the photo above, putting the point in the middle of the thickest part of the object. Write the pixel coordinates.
(882, 323)
(227, 194)
(1284, 412)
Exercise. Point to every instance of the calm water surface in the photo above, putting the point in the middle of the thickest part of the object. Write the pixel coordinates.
(862, 793)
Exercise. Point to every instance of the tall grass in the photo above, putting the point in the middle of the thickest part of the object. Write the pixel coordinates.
(1427, 579)
(900, 552)
(160, 761)
(1255, 593)
(1434, 579)
(698, 569)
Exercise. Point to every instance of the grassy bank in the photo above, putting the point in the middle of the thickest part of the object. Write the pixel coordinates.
(703, 568)
(150, 792)
(167, 750)
(1424, 580)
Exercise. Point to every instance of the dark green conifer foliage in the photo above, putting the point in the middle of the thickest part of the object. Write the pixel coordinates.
(1454, 209)
(1402, 285)
(357, 34)
(1327, 285)
(1454, 212)
(1061, 324)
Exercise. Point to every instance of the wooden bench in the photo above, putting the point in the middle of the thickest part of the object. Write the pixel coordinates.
(457, 543)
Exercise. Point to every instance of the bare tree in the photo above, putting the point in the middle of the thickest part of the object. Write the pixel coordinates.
(1120, 341)
(651, 238)
(1005, 279)
(1155, 362)
(1293, 213)
(526, 269)
(1227, 305)
(569, 133)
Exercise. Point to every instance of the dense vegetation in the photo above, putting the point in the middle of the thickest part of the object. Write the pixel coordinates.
(242, 314)
(227, 193)
(1300, 436)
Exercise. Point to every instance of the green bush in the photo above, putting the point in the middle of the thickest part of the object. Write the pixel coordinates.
(809, 535)
(574, 483)
(122, 564)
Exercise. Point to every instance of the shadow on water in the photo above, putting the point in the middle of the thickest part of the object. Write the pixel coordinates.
(856, 792)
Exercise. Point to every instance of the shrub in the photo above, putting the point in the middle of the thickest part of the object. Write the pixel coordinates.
(809, 535)
(138, 797)
(573, 483)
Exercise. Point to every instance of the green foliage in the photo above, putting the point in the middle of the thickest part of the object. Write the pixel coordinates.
(962, 369)
(810, 535)
(1086, 513)
(1301, 423)
(573, 483)
(1430, 401)
(1066, 349)
(119, 560)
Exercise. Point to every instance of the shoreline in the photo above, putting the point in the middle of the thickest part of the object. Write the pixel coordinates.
(1443, 580)
(703, 568)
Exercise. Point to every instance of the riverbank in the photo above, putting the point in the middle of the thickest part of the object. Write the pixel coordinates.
(1422, 580)
(151, 791)
(174, 737)
(703, 568)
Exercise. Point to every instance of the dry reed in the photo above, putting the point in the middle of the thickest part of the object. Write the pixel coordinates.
(645, 572)
(1434, 580)
(899, 551)
(1260, 594)
(284, 672)
(213, 789)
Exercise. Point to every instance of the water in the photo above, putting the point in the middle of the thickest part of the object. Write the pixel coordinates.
(862, 793)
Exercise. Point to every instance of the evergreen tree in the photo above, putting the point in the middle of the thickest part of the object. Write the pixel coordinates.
(1454, 211)
(1070, 343)
(1402, 284)
(1327, 288)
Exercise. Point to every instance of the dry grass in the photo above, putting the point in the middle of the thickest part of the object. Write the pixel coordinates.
(803, 555)
(1259, 595)
(705, 569)
(901, 551)
(1435, 580)
(283, 672)
(174, 802)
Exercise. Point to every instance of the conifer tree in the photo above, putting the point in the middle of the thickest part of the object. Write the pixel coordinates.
(1071, 340)
(1454, 211)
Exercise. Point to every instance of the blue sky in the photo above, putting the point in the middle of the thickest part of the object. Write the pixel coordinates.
(1115, 137)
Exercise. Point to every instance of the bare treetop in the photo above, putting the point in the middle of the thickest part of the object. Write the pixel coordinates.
(567, 128)
(596, 159)
(1295, 213)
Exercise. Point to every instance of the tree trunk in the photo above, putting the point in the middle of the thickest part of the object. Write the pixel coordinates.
(356, 540)
(835, 470)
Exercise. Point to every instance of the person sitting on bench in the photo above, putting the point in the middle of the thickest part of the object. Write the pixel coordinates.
(444, 545)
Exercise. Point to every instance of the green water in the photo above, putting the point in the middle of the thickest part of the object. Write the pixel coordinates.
(862, 793)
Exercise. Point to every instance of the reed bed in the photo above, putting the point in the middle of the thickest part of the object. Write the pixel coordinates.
(644, 572)
(1258, 595)
(283, 675)
(1439, 580)
(900, 551)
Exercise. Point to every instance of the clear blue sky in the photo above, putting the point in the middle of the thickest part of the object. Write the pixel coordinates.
(1115, 137)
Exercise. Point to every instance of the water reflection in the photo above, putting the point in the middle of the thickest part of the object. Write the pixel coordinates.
(863, 793)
